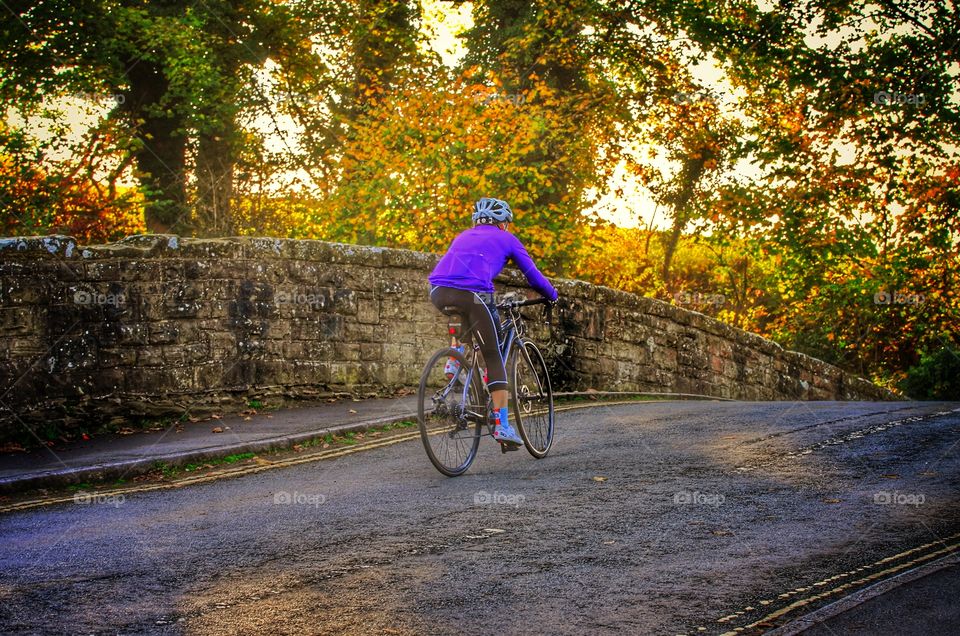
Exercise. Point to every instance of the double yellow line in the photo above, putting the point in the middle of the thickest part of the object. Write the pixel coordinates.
(919, 555)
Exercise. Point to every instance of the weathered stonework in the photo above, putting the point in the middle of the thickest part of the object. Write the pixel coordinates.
(155, 325)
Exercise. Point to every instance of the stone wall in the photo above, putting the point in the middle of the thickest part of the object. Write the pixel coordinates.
(156, 325)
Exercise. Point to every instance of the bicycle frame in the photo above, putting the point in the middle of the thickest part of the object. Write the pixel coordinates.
(512, 329)
(515, 329)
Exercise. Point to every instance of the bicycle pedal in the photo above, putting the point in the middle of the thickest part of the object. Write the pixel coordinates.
(506, 447)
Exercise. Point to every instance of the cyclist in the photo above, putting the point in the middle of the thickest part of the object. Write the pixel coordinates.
(464, 279)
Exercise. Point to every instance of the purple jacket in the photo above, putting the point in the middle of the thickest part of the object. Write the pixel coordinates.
(477, 255)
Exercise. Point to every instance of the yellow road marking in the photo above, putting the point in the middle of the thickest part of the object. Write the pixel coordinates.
(849, 585)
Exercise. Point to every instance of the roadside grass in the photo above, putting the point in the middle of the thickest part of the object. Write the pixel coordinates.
(169, 471)
(165, 472)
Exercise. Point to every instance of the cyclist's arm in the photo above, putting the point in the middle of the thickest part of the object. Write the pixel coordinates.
(526, 265)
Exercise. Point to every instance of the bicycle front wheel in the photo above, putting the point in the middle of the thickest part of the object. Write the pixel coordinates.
(449, 414)
(532, 398)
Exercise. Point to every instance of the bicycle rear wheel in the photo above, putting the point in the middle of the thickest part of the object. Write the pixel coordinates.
(449, 414)
(532, 398)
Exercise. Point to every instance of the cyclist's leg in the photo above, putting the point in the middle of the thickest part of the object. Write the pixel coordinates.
(483, 318)
(487, 330)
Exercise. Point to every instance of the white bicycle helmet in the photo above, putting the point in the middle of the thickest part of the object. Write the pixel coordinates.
(491, 211)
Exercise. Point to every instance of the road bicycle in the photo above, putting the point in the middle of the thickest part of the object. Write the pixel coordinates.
(454, 409)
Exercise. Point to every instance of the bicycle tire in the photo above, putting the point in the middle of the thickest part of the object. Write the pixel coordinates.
(454, 424)
(532, 399)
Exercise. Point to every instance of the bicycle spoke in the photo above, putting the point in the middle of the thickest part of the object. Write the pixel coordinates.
(449, 435)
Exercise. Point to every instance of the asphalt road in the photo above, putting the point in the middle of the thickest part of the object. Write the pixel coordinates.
(656, 518)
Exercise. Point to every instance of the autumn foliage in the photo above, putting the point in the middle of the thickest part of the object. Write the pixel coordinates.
(36, 201)
(810, 196)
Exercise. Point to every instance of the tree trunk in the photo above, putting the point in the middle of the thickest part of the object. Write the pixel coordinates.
(679, 221)
(689, 177)
(161, 157)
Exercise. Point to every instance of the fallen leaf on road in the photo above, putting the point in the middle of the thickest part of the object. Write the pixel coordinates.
(891, 476)
(831, 501)
(353, 410)
(928, 473)
(215, 416)
(247, 419)
(261, 461)
(217, 429)
(599, 478)
(721, 533)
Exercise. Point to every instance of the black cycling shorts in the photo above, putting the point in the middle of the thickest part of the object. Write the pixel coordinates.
(480, 314)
